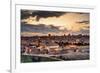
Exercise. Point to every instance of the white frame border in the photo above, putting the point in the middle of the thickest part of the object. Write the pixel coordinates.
(51, 65)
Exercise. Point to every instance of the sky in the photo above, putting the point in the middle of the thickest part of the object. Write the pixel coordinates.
(35, 22)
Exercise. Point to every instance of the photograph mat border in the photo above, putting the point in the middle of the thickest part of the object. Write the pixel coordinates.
(17, 64)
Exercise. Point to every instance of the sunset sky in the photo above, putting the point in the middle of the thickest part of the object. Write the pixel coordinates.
(56, 23)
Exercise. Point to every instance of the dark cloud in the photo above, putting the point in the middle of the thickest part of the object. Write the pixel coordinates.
(40, 14)
(82, 31)
(87, 27)
(40, 28)
(81, 13)
(81, 22)
(25, 14)
(45, 29)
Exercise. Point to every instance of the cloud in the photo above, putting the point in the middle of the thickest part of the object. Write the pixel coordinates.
(25, 14)
(83, 22)
(81, 13)
(40, 14)
(84, 31)
(41, 28)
